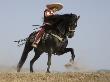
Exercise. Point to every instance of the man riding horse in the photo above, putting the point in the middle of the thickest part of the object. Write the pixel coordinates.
(52, 38)
(51, 9)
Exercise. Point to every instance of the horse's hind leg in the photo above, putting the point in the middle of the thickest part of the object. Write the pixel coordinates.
(37, 55)
(26, 50)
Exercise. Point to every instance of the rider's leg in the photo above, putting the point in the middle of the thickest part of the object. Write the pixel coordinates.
(38, 37)
(40, 33)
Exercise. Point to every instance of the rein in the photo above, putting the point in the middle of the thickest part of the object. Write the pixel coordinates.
(58, 37)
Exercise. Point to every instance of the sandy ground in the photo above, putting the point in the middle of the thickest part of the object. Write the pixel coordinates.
(55, 77)
(76, 73)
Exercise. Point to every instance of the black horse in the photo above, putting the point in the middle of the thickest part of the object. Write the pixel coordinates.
(54, 41)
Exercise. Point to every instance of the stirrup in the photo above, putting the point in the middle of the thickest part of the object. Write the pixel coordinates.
(34, 45)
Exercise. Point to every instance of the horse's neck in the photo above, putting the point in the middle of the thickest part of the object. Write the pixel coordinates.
(58, 24)
(56, 32)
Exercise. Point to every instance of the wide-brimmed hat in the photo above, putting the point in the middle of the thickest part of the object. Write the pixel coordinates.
(58, 6)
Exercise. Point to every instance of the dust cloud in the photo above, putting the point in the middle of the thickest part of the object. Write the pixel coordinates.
(75, 66)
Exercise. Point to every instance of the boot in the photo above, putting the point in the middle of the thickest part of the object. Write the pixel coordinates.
(34, 45)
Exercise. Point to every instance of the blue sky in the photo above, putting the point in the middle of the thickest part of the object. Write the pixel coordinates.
(91, 40)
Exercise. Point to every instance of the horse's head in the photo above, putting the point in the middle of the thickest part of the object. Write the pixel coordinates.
(65, 23)
(71, 25)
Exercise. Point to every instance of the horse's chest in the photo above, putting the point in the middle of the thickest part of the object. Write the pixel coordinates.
(55, 43)
(63, 44)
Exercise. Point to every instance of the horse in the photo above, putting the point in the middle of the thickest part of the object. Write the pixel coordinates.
(54, 41)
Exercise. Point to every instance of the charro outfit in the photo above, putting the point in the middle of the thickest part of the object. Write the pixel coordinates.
(51, 9)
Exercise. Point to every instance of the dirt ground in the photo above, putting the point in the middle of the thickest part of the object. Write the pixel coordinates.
(55, 77)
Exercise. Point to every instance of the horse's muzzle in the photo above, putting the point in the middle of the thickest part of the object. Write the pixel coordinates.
(71, 34)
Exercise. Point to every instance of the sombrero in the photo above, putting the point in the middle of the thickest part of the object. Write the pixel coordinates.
(58, 6)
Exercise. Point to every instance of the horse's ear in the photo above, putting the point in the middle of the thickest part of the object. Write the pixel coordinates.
(78, 17)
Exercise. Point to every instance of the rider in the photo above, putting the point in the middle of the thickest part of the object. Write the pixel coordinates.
(51, 9)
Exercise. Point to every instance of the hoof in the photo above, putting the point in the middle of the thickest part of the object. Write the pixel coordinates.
(71, 60)
(31, 71)
(48, 71)
(18, 70)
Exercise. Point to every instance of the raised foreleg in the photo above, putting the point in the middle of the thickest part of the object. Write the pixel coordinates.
(65, 50)
(72, 52)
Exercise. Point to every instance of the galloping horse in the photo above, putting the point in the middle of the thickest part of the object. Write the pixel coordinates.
(53, 41)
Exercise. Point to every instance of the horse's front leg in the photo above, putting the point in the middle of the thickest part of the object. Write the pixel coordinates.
(72, 53)
(49, 62)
